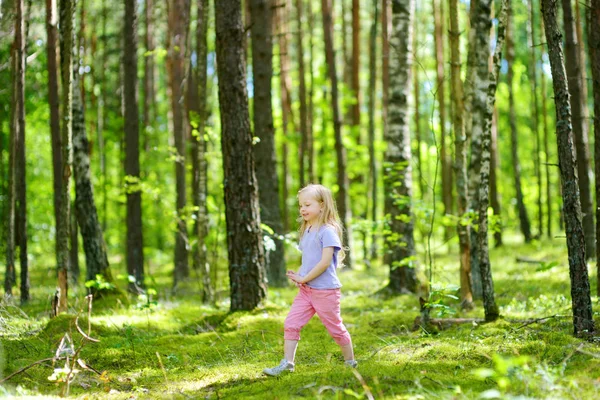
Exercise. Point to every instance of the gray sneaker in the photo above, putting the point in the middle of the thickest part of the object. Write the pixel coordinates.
(351, 363)
(284, 365)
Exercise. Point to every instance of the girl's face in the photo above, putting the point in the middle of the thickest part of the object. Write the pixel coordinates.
(310, 208)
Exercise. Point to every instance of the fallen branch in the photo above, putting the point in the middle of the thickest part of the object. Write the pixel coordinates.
(445, 323)
(528, 260)
(27, 367)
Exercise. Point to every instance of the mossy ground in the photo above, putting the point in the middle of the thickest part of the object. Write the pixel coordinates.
(207, 352)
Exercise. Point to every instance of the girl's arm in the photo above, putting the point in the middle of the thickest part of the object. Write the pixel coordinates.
(322, 265)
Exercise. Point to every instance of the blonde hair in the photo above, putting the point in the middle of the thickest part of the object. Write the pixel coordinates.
(328, 216)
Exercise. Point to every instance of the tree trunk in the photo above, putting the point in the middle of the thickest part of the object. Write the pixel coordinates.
(580, 127)
(244, 239)
(583, 321)
(311, 107)
(547, 151)
(286, 104)
(473, 132)
(438, 17)
(514, 137)
(198, 92)
(178, 28)
(401, 256)
(460, 154)
(354, 81)
(593, 21)
(264, 151)
(135, 237)
(149, 75)
(102, 115)
(304, 135)
(74, 269)
(483, 106)
(67, 10)
(494, 194)
(342, 177)
(372, 157)
(417, 115)
(87, 216)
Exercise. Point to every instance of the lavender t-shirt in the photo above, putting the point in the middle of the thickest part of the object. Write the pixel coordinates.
(311, 245)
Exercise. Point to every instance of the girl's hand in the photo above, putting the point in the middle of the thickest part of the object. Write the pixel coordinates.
(297, 279)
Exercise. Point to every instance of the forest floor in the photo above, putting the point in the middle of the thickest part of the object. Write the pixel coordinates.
(178, 348)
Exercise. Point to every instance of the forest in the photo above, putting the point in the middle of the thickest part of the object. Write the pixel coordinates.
(152, 157)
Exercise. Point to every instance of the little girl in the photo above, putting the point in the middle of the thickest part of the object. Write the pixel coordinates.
(322, 253)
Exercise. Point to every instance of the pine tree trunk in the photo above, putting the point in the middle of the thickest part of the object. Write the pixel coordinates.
(483, 106)
(372, 157)
(417, 115)
(354, 81)
(149, 75)
(398, 202)
(67, 10)
(244, 239)
(198, 91)
(573, 66)
(20, 173)
(264, 151)
(593, 21)
(286, 104)
(311, 107)
(304, 135)
(74, 269)
(178, 28)
(460, 154)
(514, 137)
(87, 215)
(342, 177)
(583, 322)
(135, 237)
(546, 150)
(102, 115)
(438, 17)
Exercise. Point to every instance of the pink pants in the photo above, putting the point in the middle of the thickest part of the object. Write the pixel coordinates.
(324, 302)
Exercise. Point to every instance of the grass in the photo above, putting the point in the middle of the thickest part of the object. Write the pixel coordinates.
(207, 352)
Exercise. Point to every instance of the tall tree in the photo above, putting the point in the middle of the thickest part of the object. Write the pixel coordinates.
(149, 73)
(135, 237)
(244, 239)
(67, 10)
(580, 128)
(417, 115)
(264, 151)
(494, 193)
(514, 137)
(460, 158)
(311, 106)
(583, 321)
(535, 118)
(177, 39)
(438, 18)
(342, 177)
(287, 115)
(483, 106)
(355, 81)
(372, 157)
(304, 134)
(198, 97)
(547, 151)
(398, 202)
(593, 21)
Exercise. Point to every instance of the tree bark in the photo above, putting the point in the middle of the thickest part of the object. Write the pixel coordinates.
(67, 10)
(438, 17)
(87, 215)
(373, 172)
(342, 177)
(460, 161)
(494, 193)
(149, 75)
(311, 107)
(593, 21)
(483, 105)
(178, 28)
(417, 115)
(244, 239)
(583, 321)
(547, 150)
(398, 202)
(264, 151)
(304, 135)
(198, 116)
(354, 81)
(135, 237)
(574, 66)
(514, 137)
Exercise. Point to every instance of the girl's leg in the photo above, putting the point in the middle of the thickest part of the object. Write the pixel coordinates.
(289, 349)
(347, 351)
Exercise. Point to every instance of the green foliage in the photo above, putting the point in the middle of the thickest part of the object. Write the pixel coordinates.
(100, 284)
